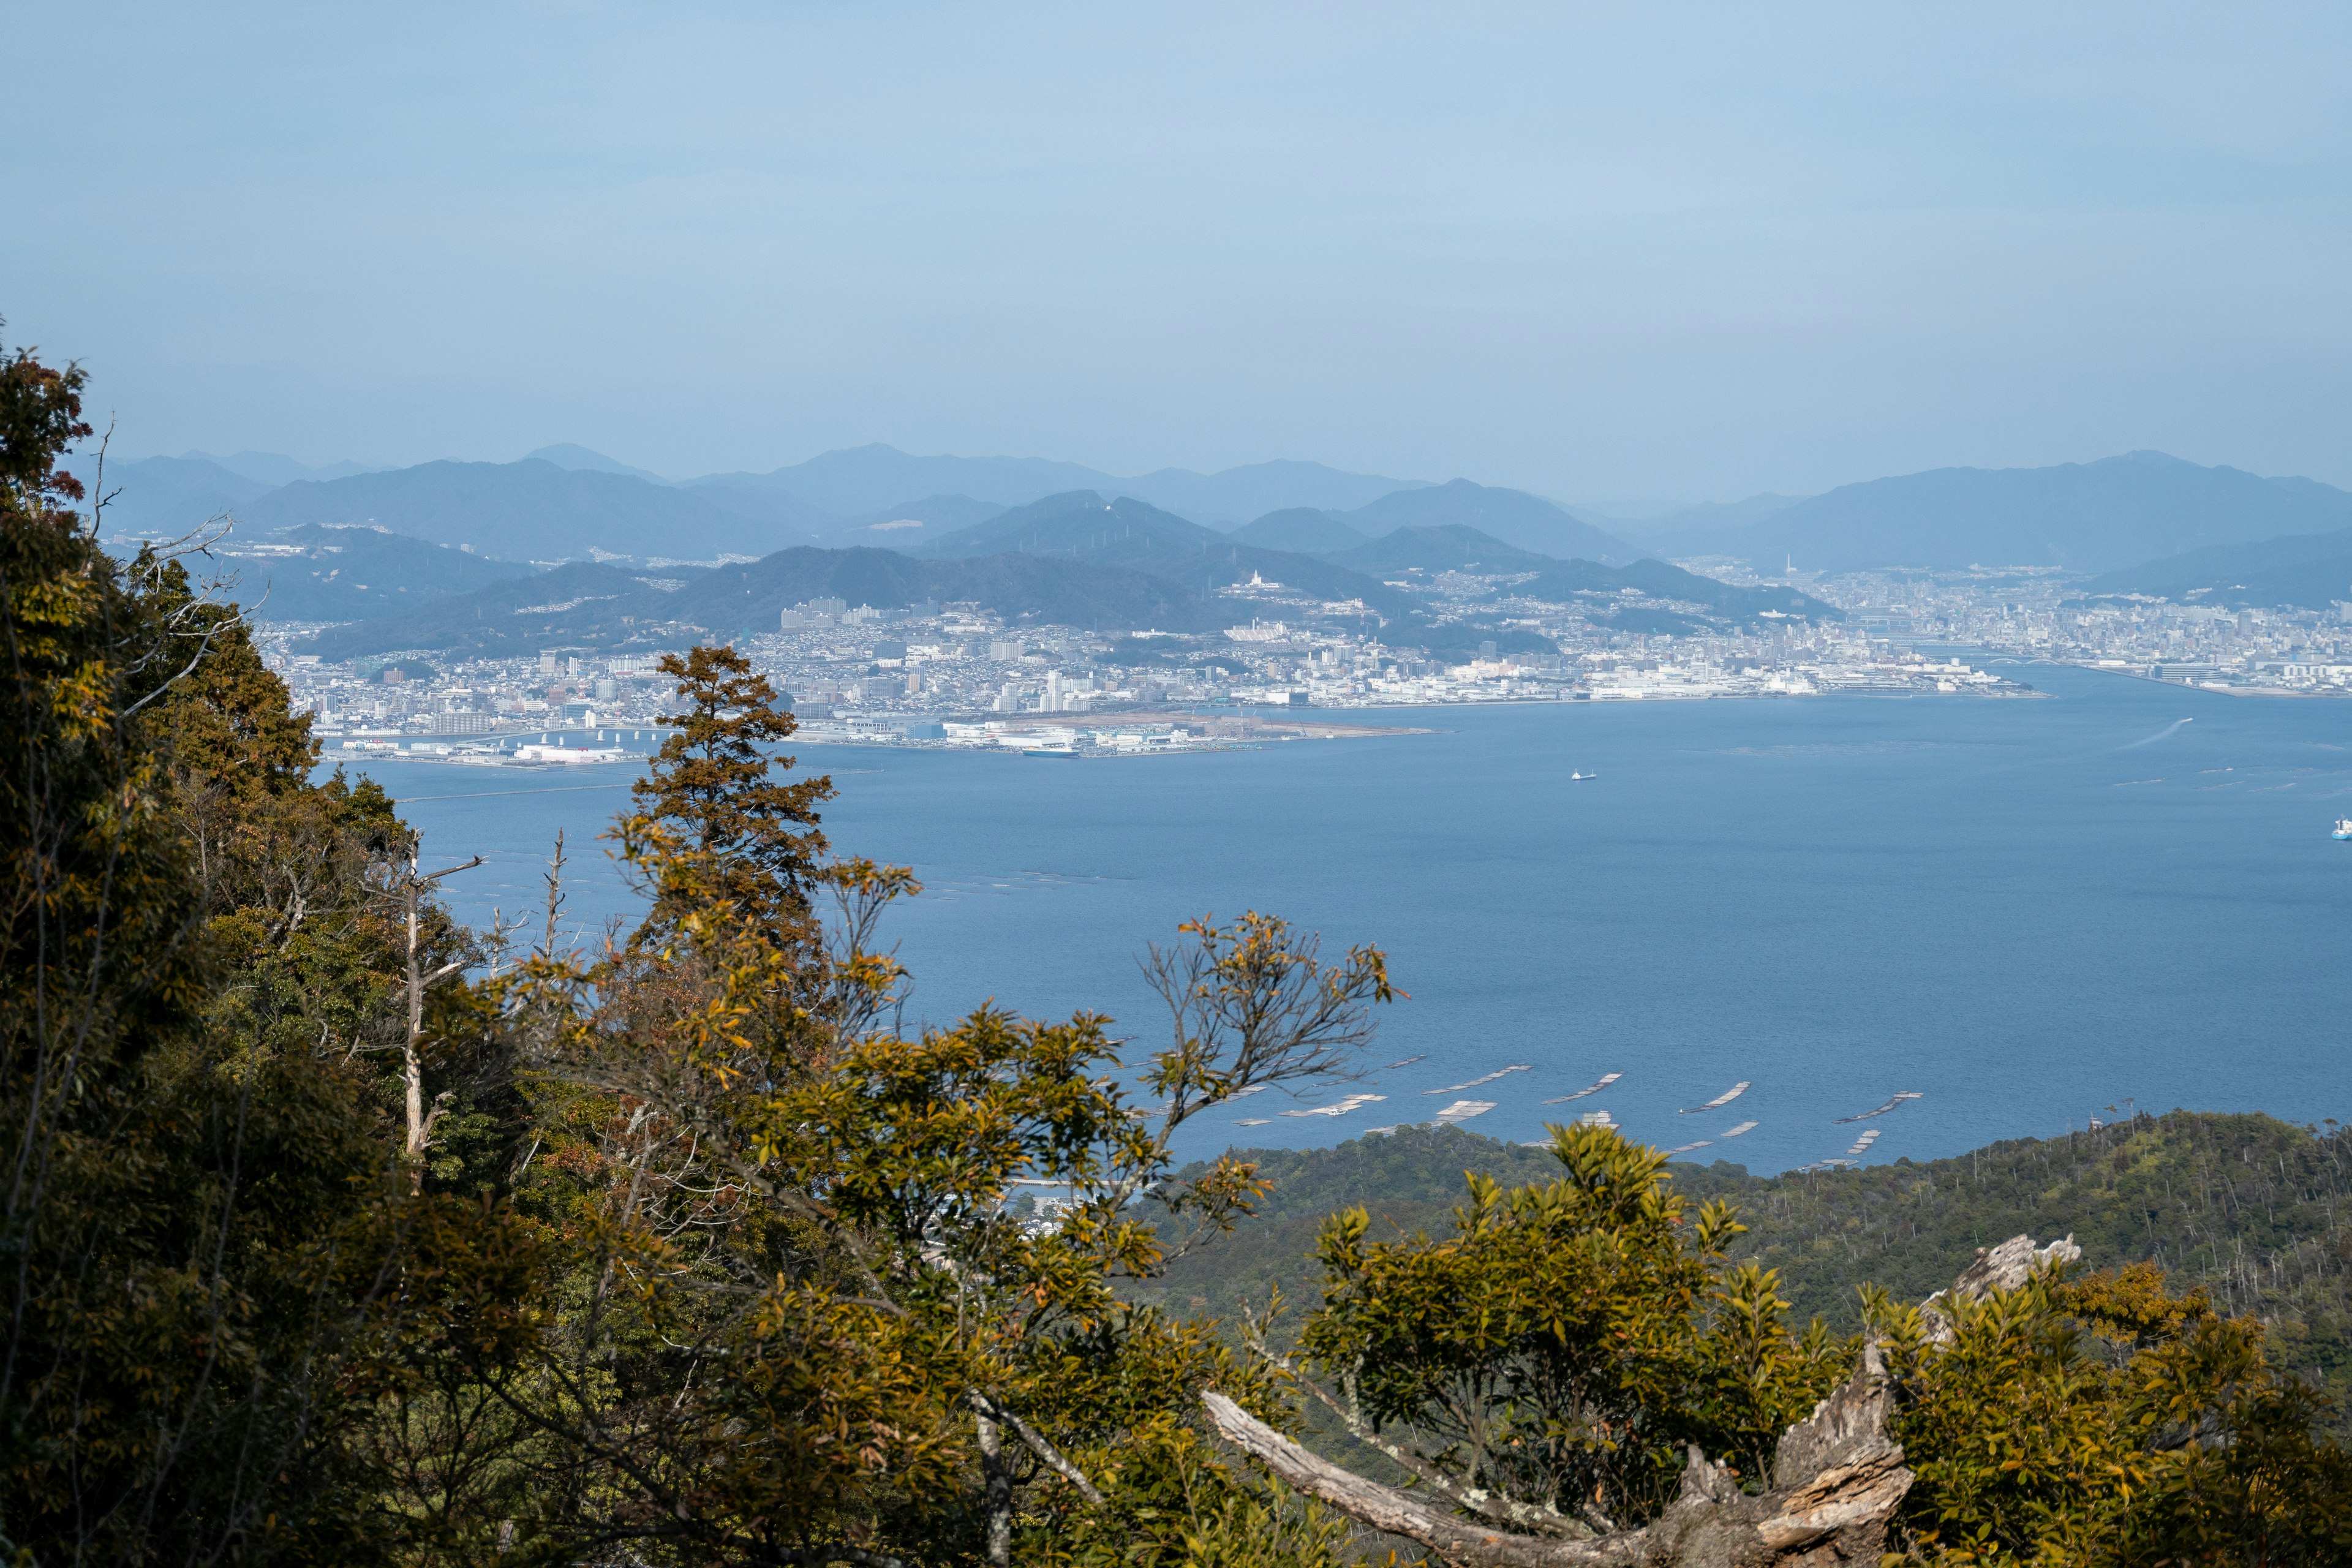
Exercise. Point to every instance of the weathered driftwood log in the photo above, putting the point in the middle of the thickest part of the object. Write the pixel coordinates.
(1837, 1479)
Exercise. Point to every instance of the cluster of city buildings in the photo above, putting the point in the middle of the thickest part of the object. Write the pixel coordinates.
(955, 676)
(2041, 614)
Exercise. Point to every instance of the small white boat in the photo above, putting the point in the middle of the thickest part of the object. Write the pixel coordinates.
(1582, 778)
(2343, 828)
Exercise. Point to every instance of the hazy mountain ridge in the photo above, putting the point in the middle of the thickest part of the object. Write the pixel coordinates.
(1568, 582)
(317, 572)
(1309, 531)
(1440, 547)
(571, 455)
(1082, 526)
(856, 480)
(909, 525)
(1515, 517)
(1693, 523)
(598, 606)
(568, 501)
(167, 496)
(2308, 571)
(275, 468)
(2089, 517)
(527, 511)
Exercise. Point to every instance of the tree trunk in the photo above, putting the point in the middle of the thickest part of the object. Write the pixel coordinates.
(998, 1477)
(412, 1059)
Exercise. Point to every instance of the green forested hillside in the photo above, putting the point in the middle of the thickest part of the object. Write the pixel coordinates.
(2254, 1211)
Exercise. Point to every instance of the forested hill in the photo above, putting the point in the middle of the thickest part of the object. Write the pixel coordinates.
(2256, 1212)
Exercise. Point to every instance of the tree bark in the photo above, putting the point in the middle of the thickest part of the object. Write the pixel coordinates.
(997, 1476)
(412, 1058)
(412, 888)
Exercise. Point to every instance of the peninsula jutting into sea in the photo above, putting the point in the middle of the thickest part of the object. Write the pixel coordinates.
(957, 676)
(474, 605)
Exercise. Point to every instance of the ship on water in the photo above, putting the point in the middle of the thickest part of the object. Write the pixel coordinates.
(2343, 828)
(1582, 778)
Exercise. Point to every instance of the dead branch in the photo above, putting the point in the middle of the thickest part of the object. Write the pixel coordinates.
(1047, 1455)
(1837, 1477)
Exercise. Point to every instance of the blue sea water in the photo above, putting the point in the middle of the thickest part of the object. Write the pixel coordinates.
(2026, 911)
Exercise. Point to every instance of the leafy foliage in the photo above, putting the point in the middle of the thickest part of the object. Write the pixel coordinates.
(207, 1263)
(1565, 1345)
(2106, 1420)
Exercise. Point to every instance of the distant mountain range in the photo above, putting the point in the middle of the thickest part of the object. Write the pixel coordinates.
(530, 510)
(1114, 566)
(275, 468)
(567, 502)
(862, 480)
(167, 496)
(2087, 517)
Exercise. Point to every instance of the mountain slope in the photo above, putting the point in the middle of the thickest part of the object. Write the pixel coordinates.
(1078, 524)
(2089, 517)
(1515, 517)
(747, 597)
(857, 480)
(1307, 530)
(1254, 489)
(274, 469)
(2246, 1206)
(2310, 570)
(162, 498)
(1686, 532)
(584, 460)
(580, 603)
(1136, 536)
(321, 573)
(1442, 547)
(590, 605)
(527, 510)
(783, 516)
(1568, 582)
(909, 526)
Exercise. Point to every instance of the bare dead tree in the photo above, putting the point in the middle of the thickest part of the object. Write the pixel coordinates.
(409, 886)
(1251, 1007)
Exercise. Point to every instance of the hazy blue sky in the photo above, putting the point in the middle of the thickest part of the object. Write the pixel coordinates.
(1693, 252)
